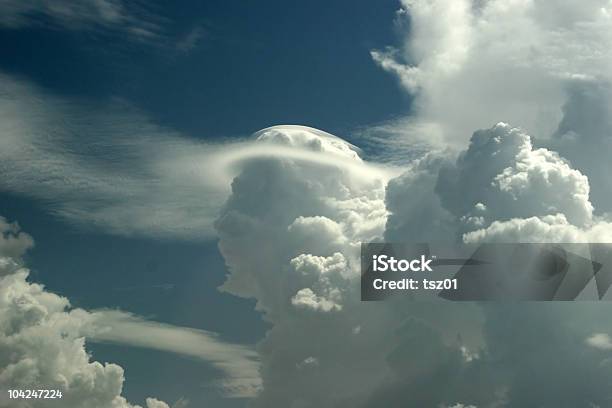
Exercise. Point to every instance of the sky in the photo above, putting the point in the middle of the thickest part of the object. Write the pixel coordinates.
(214, 71)
(224, 69)
(184, 189)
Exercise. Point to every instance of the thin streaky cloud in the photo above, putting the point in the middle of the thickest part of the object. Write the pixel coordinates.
(239, 363)
(82, 15)
(111, 168)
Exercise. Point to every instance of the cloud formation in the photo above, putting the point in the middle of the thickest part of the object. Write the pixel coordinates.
(304, 274)
(526, 181)
(109, 167)
(308, 222)
(13, 242)
(501, 176)
(239, 364)
(600, 341)
(550, 78)
(584, 136)
(470, 64)
(43, 343)
(301, 202)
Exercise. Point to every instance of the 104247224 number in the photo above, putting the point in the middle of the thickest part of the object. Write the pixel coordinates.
(34, 394)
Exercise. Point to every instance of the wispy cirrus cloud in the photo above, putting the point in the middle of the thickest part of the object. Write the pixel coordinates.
(83, 15)
(110, 167)
(238, 363)
(106, 166)
(191, 39)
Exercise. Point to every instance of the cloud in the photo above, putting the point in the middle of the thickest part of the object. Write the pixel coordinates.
(550, 77)
(501, 176)
(306, 298)
(191, 40)
(550, 228)
(43, 344)
(600, 341)
(113, 15)
(155, 403)
(181, 403)
(239, 364)
(299, 213)
(584, 136)
(459, 405)
(398, 141)
(539, 353)
(304, 275)
(415, 210)
(302, 201)
(542, 67)
(13, 242)
(42, 347)
(308, 221)
(109, 167)
(502, 188)
(469, 64)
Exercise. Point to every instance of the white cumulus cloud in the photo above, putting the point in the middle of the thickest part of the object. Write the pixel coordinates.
(290, 233)
(43, 343)
(42, 347)
(600, 341)
(470, 64)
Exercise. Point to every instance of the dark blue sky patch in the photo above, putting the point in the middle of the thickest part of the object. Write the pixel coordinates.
(250, 66)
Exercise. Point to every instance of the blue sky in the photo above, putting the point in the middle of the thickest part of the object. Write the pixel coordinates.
(220, 69)
(128, 154)
(250, 65)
